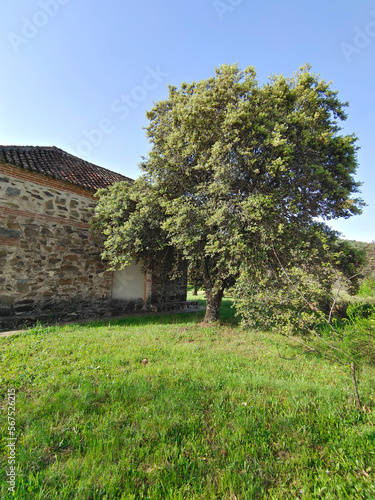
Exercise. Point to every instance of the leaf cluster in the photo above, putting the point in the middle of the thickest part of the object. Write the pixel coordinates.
(130, 218)
(291, 292)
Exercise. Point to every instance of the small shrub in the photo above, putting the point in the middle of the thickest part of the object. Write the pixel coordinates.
(367, 288)
(359, 310)
(359, 338)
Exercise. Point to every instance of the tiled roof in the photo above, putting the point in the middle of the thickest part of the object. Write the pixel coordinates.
(58, 164)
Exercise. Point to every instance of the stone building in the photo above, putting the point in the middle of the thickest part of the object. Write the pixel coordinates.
(50, 264)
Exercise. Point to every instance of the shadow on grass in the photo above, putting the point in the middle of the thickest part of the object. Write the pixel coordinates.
(227, 316)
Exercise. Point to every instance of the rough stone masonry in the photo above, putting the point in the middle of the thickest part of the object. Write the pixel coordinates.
(50, 264)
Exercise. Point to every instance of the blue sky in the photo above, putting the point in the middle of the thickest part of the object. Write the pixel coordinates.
(80, 74)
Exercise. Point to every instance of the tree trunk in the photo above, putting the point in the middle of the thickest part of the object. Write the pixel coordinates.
(195, 292)
(355, 387)
(213, 305)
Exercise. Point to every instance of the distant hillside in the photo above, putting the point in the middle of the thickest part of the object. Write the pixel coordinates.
(369, 248)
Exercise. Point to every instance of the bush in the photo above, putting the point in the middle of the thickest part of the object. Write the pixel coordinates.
(292, 304)
(360, 310)
(358, 336)
(367, 288)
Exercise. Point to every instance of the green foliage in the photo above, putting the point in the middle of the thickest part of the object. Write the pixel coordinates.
(236, 170)
(358, 336)
(130, 218)
(367, 288)
(285, 303)
(352, 340)
(296, 301)
(195, 273)
(350, 263)
(359, 310)
(291, 293)
(369, 250)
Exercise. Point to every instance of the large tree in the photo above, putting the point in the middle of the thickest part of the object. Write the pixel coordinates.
(236, 170)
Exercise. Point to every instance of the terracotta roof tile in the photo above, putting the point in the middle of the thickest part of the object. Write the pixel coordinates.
(56, 163)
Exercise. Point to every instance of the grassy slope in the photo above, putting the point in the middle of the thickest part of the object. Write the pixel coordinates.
(216, 413)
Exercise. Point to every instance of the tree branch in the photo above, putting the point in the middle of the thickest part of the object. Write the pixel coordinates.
(334, 303)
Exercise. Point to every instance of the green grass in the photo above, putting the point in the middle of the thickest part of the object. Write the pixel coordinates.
(216, 413)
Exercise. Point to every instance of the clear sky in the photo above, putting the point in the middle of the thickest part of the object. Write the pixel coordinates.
(80, 74)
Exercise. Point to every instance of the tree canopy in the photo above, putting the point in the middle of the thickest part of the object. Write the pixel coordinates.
(236, 169)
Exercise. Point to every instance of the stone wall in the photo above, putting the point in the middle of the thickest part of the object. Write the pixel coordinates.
(50, 265)
(165, 291)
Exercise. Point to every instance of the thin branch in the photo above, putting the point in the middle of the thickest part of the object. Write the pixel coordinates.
(334, 303)
(355, 388)
(355, 275)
